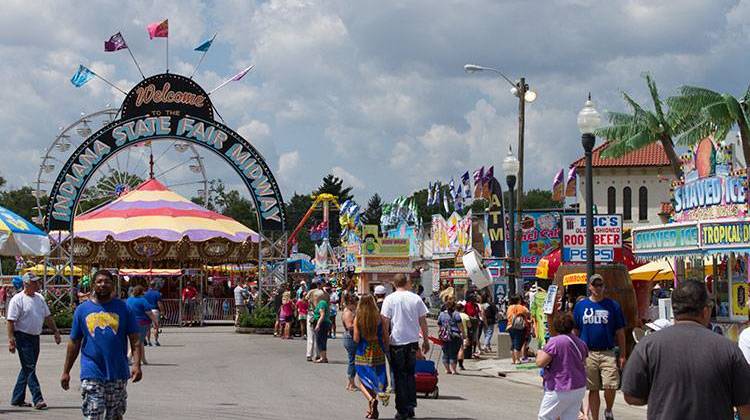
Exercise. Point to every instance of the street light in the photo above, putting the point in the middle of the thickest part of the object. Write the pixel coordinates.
(588, 121)
(524, 94)
(510, 167)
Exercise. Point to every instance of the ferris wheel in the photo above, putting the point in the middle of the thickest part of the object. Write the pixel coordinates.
(177, 164)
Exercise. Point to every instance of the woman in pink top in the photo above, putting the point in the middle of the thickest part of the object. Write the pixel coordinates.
(286, 314)
(302, 306)
(563, 359)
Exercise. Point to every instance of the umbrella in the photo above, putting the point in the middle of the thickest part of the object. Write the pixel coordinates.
(18, 236)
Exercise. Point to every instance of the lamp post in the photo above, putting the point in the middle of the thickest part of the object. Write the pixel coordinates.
(521, 90)
(510, 167)
(588, 121)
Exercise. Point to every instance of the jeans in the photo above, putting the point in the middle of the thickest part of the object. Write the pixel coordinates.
(403, 359)
(450, 350)
(322, 336)
(27, 346)
(488, 331)
(351, 351)
(516, 339)
(312, 345)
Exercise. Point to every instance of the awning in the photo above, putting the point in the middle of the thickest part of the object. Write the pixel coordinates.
(574, 278)
(661, 270)
(41, 270)
(147, 272)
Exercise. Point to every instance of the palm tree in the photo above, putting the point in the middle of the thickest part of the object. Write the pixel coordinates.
(717, 114)
(629, 132)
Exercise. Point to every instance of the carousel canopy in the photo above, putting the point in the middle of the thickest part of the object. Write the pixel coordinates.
(152, 210)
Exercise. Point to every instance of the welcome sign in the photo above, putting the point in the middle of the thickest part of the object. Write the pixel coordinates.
(160, 107)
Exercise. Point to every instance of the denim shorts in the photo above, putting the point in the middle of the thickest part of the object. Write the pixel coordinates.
(516, 339)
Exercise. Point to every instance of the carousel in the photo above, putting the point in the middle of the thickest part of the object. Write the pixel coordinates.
(153, 233)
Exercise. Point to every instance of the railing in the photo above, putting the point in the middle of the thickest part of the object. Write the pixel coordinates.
(218, 309)
(206, 310)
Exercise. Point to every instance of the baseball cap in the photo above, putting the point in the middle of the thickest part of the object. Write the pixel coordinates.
(596, 278)
(380, 289)
(315, 281)
(29, 277)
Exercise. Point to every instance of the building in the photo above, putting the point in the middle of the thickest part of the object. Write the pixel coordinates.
(636, 185)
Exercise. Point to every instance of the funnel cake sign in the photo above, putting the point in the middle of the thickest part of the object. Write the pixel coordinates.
(166, 106)
(711, 188)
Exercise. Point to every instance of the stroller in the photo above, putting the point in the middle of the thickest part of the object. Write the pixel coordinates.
(426, 373)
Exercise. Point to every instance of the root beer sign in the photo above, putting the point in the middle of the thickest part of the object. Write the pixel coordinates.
(160, 107)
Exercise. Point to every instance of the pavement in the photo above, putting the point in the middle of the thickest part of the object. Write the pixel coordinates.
(212, 372)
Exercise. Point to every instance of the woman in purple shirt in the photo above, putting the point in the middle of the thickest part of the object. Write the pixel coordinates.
(563, 360)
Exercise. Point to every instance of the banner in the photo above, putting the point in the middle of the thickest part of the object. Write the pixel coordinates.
(607, 237)
(496, 219)
(725, 235)
(540, 235)
(448, 236)
(671, 238)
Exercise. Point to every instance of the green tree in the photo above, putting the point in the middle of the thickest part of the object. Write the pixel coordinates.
(540, 199)
(708, 112)
(374, 210)
(19, 201)
(641, 127)
(229, 203)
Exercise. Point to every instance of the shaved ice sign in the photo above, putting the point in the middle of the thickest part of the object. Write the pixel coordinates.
(711, 189)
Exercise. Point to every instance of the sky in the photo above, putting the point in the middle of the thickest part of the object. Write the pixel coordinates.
(373, 92)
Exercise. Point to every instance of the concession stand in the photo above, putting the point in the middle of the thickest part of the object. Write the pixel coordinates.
(708, 237)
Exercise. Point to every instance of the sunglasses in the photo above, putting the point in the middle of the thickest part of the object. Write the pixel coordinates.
(597, 285)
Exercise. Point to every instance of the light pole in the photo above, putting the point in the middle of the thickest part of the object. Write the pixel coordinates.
(521, 90)
(588, 121)
(510, 167)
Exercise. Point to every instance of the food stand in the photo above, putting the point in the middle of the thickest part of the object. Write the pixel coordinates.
(708, 238)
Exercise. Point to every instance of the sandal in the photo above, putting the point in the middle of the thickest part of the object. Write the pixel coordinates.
(41, 405)
(21, 404)
(321, 361)
(372, 413)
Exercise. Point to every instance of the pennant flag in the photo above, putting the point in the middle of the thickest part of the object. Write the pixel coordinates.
(445, 202)
(570, 184)
(436, 194)
(82, 76)
(459, 199)
(205, 45)
(557, 186)
(116, 42)
(158, 29)
(429, 193)
(452, 189)
(478, 179)
(242, 74)
(486, 182)
(466, 181)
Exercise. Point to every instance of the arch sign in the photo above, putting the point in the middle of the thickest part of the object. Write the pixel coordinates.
(166, 106)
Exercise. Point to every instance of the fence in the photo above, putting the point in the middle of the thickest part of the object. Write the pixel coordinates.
(208, 310)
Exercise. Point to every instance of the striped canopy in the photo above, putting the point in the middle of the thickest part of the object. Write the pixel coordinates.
(18, 236)
(152, 210)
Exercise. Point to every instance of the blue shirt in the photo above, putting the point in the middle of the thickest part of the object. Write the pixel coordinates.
(598, 322)
(138, 305)
(153, 297)
(103, 330)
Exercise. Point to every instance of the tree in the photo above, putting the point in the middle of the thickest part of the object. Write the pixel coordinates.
(229, 203)
(374, 210)
(540, 199)
(707, 112)
(19, 201)
(295, 210)
(629, 132)
(335, 186)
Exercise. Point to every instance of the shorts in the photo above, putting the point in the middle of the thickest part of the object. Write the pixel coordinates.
(516, 339)
(143, 331)
(104, 400)
(601, 370)
(303, 317)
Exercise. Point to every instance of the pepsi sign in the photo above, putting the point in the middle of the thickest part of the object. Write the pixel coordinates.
(579, 255)
(607, 237)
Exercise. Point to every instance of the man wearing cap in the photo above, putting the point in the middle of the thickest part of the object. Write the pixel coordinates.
(601, 324)
(379, 293)
(27, 312)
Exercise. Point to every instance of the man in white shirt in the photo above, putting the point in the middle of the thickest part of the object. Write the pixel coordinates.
(27, 312)
(404, 316)
(240, 294)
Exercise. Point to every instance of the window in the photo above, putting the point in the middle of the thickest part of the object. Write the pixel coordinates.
(611, 200)
(643, 204)
(627, 211)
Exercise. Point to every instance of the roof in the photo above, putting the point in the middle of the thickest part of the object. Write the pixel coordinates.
(651, 155)
(152, 210)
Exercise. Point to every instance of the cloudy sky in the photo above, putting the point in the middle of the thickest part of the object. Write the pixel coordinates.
(373, 92)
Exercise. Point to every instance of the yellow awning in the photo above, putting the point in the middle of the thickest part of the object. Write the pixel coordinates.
(40, 269)
(574, 278)
(661, 270)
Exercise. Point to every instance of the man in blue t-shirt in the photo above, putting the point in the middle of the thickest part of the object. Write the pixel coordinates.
(101, 329)
(600, 323)
(153, 296)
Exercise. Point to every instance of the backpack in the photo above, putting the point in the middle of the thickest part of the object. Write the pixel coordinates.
(518, 323)
(445, 333)
(491, 313)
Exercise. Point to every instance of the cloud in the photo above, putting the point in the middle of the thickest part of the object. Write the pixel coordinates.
(348, 178)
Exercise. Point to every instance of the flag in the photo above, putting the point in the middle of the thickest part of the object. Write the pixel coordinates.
(452, 189)
(429, 193)
(486, 182)
(466, 181)
(445, 202)
(459, 199)
(557, 186)
(205, 45)
(242, 74)
(570, 184)
(116, 42)
(478, 179)
(158, 29)
(83, 75)
(436, 194)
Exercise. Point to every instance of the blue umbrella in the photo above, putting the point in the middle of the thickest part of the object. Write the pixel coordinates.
(18, 236)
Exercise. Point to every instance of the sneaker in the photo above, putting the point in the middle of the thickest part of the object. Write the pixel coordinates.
(20, 404)
(41, 405)
(148, 343)
(157, 343)
(608, 415)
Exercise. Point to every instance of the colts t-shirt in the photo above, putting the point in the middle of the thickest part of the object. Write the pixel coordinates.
(103, 330)
(598, 322)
